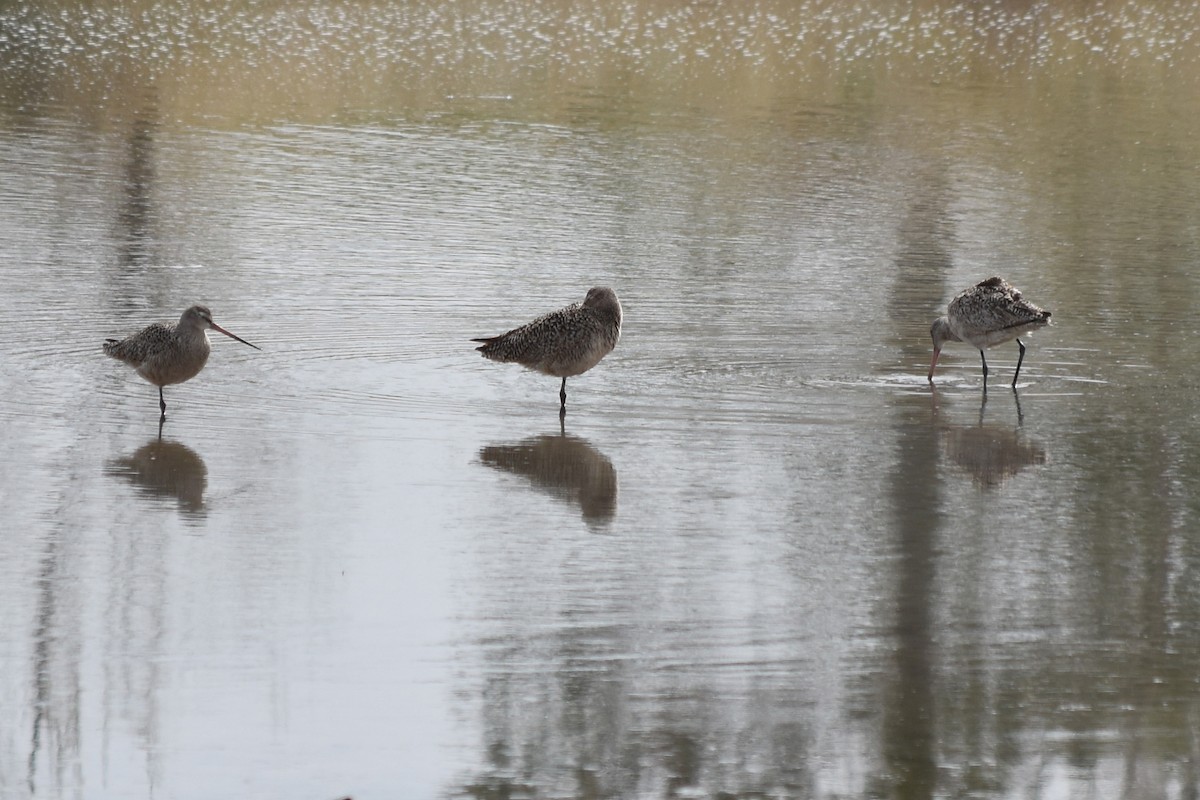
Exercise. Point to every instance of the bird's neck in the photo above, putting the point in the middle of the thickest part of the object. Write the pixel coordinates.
(191, 333)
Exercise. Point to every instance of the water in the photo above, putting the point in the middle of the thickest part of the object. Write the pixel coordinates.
(760, 558)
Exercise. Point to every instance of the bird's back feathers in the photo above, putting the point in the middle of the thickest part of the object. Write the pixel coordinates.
(993, 311)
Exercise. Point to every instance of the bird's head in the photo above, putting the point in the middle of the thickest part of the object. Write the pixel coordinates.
(940, 332)
(603, 299)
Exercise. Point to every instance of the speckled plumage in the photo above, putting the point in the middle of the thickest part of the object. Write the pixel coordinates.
(563, 343)
(166, 354)
(989, 313)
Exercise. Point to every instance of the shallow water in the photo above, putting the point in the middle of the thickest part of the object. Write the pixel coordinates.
(761, 557)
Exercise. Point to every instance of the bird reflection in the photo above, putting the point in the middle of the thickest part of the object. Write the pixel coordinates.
(565, 466)
(992, 454)
(164, 468)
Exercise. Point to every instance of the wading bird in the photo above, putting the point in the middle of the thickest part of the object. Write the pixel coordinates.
(165, 354)
(991, 312)
(563, 343)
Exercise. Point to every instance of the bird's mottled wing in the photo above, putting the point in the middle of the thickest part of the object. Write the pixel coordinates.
(534, 341)
(995, 305)
(141, 346)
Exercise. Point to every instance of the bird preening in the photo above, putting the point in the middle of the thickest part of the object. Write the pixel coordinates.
(563, 343)
(991, 312)
(165, 354)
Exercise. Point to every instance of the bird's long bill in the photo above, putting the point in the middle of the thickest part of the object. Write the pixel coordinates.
(933, 363)
(217, 327)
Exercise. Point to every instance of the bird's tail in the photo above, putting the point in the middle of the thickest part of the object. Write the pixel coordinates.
(1037, 316)
(488, 341)
(120, 350)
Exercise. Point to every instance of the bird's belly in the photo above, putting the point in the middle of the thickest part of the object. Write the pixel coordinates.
(165, 374)
(982, 341)
(577, 364)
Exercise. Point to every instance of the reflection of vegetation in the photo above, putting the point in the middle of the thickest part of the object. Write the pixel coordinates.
(1068, 642)
(567, 466)
(167, 469)
(1005, 655)
(136, 216)
(575, 731)
(1016, 714)
(317, 59)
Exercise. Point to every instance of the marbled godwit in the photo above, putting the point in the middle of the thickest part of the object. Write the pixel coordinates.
(563, 343)
(989, 313)
(165, 354)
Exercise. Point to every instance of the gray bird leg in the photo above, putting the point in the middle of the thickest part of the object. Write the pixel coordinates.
(984, 360)
(562, 395)
(1020, 358)
(162, 403)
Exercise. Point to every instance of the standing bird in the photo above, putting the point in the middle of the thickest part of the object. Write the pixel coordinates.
(563, 343)
(165, 354)
(989, 313)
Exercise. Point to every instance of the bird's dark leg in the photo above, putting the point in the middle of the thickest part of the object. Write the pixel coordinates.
(162, 403)
(562, 396)
(1020, 416)
(1020, 358)
(984, 360)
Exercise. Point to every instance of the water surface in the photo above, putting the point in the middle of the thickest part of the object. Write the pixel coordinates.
(761, 557)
